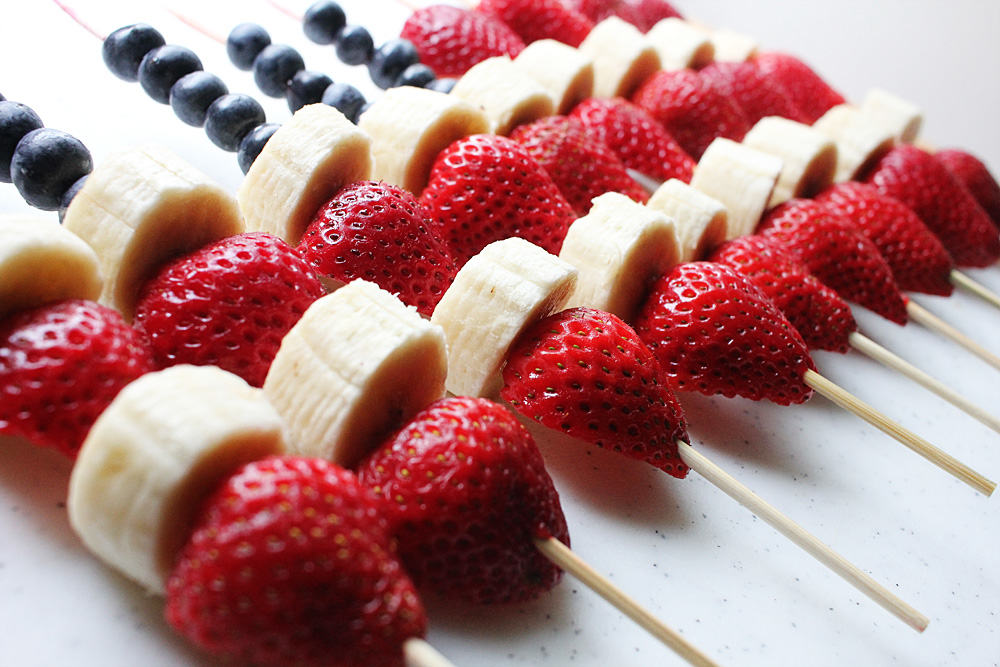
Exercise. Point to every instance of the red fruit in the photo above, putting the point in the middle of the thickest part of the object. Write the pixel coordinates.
(291, 562)
(379, 232)
(918, 260)
(757, 95)
(60, 365)
(450, 39)
(971, 171)
(485, 188)
(822, 318)
(713, 331)
(227, 305)
(595, 10)
(466, 490)
(837, 253)
(540, 19)
(635, 137)
(810, 94)
(644, 14)
(915, 178)
(581, 166)
(585, 372)
(692, 110)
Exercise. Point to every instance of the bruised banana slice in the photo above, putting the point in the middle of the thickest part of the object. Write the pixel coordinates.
(502, 91)
(700, 221)
(565, 72)
(860, 141)
(809, 157)
(623, 59)
(680, 45)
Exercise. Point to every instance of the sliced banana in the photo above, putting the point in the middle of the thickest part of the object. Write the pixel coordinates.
(163, 445)
(410, 126)
(900, 117)
(307, 161)
(355, 367)
(809, 157)
(565, 72)
(41, 262)
(622, 57)
(506, 287)
(740, 177)
(141, 208)
(700, 220)
(619, 248)
(680, 45)
(502, 91)
(732, 46)
(860, 142)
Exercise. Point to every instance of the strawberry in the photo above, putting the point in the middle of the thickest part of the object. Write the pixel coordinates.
(290, 562)
(380, 233)
(692, 110)
(484, 188)
(635, 137)
(466, 490)
(837, 253)
(585, 372)
(540, 19)
(595, 10)
(822, 318)
(581, 166)
(809, 93)
(757, 95)
(971, 171)
(451, 39)
(644, 14)
(714, 332)
(914, 177)
(228, 304)
(61, 364)
(918, 260)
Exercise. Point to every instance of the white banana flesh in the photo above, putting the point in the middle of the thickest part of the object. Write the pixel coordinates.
(565, 72)
(809, 157)
(900, 117)
(701, 221)
(307, 161)
(860, 142)
(502, 91)
(732, 46)
(356, 366)
(680, 45)
(622, 57)
(140, 209)
(497, 294)
(156, 452)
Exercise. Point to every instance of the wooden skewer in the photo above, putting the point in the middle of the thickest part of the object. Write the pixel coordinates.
(963, 281)
(191, 23)
(870, 348)
(285, 10)
(946, 462)
(921, 315)
(562, 556)
(813, 545)
(419, 653)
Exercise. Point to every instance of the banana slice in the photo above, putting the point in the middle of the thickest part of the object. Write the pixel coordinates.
(410, 126)
(566, 73)
(900, 117)
(499, 292)
(141, 208)
(732, 46)
(619, 248)
(165, 442)
(354, 368)
(809, 157)
(700, 221)
(860, 142)
(680, 45)
(622, 57)
(504, 94)
(41, 262)
(307, 161)
(740, 177)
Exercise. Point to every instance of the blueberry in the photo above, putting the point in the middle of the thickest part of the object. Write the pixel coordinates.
(67, 197)
(244, 44)
(355, 45)
(191, 96)
(390, 60)
(345, 98)
(46, 163)
(125, 48)
(230, 118)
(364, 107)
(323, 22)
(16, 120)
(442, 85)
(162, 67)
(306, 87)
(417, 75)
(274, 67)
(2, 98)
(253, 144)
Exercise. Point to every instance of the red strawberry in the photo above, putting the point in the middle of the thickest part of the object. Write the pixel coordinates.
(636, 138)
(915, 178)
(581, 166)
(290, 563)
(585, 372)
(485, 188)
(692, 110)
(757, 95)
(643, 14)
(837, 253)
(380, 233)
(810, 94)
(971, 171)
(540, 19)
(918, 260)
(466, 491)
(227, 305)
(714, 332)
(450, 39)
(60, 365)
(822, 318)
